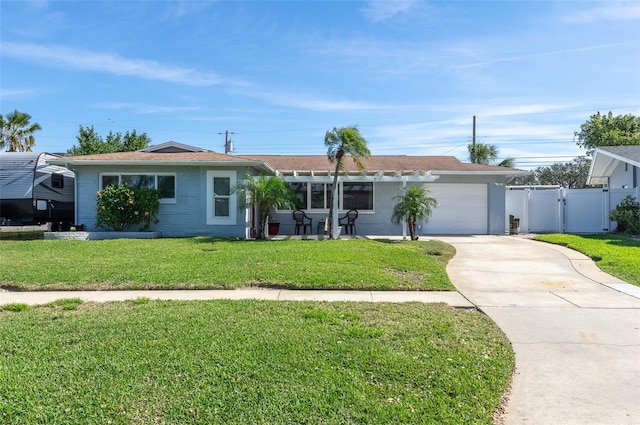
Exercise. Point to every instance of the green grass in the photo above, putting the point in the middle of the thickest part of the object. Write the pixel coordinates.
(205, 263)
(617, 255)
(251, 362)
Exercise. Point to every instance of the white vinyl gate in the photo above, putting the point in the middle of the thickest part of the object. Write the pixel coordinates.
(550, 209)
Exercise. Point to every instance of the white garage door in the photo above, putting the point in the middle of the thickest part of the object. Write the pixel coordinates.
(462, 209)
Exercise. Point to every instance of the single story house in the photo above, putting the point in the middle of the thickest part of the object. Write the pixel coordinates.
(615, 167)
(197, 196)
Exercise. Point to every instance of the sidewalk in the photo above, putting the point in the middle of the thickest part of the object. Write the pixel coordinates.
(454, 299)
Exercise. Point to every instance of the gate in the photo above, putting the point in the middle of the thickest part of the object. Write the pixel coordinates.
(550, 209)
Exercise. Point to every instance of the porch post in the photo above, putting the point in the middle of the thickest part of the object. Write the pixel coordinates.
(334, 218)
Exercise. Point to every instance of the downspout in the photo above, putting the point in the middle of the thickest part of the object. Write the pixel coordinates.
(404, 222)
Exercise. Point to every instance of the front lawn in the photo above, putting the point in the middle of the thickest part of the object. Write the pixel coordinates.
(209, 263)
(250, 362)
(617, 255)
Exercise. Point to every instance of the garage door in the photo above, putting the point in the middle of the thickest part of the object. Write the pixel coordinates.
(462, 209)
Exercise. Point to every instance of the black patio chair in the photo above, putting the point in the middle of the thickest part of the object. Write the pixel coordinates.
(302, 221)
(348, 222)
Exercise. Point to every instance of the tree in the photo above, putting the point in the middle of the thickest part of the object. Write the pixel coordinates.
(482, 153)
(607, 130)
(340, 142)
(264, 193)
(570, 175)
(17, 132)
(414, 204)
(90, 142)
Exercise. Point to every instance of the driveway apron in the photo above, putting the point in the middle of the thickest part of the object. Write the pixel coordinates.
(575, 330)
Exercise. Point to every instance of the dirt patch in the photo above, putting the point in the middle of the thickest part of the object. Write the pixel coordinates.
(406, 275)
(500, 414)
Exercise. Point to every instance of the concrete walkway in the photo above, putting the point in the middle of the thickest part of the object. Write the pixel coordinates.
(575, 330)
(452, 298)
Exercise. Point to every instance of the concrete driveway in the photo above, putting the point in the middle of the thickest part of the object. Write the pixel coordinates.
(575, 330)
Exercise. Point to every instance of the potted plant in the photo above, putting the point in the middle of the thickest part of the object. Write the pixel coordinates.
(274, 226)
(264, 193)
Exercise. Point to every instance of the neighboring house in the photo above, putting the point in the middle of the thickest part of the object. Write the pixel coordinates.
(197, 195)
(615, 167)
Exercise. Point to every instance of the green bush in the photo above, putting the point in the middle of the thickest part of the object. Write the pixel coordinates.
(627, 215)
(120, 206)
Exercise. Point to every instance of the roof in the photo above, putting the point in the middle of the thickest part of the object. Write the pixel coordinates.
(606, 158)
(291, 165)
(172, 146)
(624, 153)
(161, 158)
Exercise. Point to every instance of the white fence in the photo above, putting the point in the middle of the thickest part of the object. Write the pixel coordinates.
(550, 209)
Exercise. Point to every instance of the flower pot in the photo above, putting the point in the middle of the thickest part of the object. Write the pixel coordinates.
(274, 228)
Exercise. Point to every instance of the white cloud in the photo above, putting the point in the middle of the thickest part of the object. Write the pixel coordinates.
(144, 109)
(79, 59)
(14, 93)
(606, 11)
(313, 103)
(381, 10)
(531, 55)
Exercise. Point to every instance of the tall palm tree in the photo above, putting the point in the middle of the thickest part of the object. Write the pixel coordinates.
(415, 203)
(340, 142)
(17, 132)
(482, 153)
(264, 193)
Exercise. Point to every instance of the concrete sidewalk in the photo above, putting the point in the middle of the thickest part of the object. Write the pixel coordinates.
(575, 330)
(452, 298)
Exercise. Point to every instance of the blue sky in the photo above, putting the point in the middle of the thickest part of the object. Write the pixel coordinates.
(410, 74)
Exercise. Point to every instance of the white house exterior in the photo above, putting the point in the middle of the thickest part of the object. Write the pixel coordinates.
(197, 189)
(615, 167)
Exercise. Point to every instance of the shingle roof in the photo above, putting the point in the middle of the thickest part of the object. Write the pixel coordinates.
(289, 163)
(206, 156)
(630, 152)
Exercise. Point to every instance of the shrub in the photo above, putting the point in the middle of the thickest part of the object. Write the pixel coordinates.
(120, 206)
(627, 215)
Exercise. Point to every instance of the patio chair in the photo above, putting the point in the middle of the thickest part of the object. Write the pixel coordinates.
(348, 222)
(302, 221)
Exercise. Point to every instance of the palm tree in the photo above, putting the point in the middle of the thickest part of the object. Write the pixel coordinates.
(415, 203)
(17, 132)
(264, 193)
(340, 142)
(482, 153)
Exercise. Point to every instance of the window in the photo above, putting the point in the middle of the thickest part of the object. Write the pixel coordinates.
(166, 183)
(221, 204)
(300, 191)
(57, 181)
(320, 196)
(357, 195)
(221, 196)
(137, 181)
(317, 196)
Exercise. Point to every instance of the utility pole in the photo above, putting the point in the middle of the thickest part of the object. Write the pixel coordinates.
(474, 158)
(228, 143)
